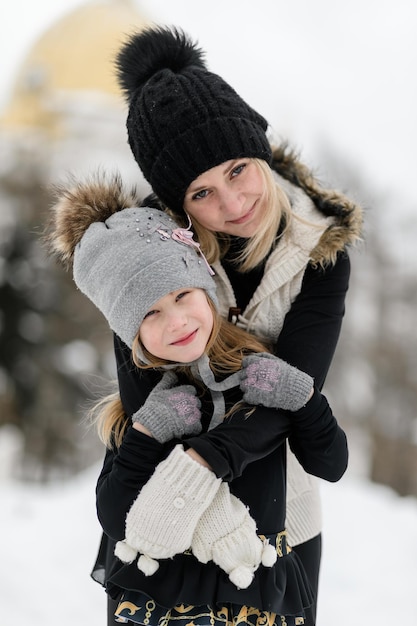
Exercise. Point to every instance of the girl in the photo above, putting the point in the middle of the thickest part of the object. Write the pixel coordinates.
(276, 239)
(163, 488)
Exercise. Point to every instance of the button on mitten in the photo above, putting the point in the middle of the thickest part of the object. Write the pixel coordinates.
(162, 519)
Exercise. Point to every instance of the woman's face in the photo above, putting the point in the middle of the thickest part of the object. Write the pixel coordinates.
(178, 326)
(228, 198)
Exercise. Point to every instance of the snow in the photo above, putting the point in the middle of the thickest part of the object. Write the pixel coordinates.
(346, 80)
(50, 536)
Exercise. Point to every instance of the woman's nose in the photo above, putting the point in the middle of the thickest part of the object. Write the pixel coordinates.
(231, 202)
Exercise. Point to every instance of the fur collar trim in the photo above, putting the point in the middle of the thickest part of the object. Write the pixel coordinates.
(346, 227)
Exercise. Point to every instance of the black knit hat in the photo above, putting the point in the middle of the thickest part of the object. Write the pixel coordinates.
(183, 120)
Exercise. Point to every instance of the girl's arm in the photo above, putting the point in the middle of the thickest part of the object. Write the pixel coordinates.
(312, 326)
(124, 473)
(317, 440)
(134, 384)
(308, 341)
(157, 426)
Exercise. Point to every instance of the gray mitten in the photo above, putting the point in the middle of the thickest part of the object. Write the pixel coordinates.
(170, 412)
(226, 534)
(162, 519)
(270, 381)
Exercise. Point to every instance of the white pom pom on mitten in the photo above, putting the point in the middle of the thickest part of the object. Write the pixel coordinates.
(226, 534)
(125, 552)
(147, 565)
(269, 554)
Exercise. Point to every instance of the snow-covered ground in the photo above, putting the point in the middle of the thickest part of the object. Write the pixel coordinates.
(50, 535)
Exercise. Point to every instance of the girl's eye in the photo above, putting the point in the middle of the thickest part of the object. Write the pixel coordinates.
(149, 314)
(181, 295)
(200, 194)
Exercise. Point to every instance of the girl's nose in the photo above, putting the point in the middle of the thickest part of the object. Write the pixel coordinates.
(175, 321)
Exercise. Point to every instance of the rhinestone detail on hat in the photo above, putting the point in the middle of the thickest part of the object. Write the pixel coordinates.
(181, 235)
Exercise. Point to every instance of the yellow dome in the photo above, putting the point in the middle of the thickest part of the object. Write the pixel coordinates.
(76, 54)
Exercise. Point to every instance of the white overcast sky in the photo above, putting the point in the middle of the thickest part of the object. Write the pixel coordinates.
(342, 72)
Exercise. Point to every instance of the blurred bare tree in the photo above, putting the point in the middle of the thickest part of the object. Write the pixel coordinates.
(373, 380)
(52, 340)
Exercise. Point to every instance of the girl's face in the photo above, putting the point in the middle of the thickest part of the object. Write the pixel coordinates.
(228, 198)
(178, 326)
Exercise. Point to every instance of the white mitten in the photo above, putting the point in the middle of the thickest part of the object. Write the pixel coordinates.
(226, 534)
(162, 519)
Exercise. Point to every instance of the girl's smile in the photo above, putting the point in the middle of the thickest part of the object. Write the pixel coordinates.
(178, 326)
(185, 340)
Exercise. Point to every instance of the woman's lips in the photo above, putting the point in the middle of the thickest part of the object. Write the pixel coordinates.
(244, 218)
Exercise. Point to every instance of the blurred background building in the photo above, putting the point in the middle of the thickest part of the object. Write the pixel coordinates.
(65, 115)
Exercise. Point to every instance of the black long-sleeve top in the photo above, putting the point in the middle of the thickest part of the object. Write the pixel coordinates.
(307, 340)
(238, 447)
(249, 452)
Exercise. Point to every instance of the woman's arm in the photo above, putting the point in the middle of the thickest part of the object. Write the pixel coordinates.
(317, 440)
(308, 338)
(312, 326)
(315, 436)
(308, 341)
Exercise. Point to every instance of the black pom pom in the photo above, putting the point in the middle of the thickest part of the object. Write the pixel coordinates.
(152, 50)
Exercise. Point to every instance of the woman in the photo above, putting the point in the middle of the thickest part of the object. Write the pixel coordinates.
(189, 526)
(276, 239)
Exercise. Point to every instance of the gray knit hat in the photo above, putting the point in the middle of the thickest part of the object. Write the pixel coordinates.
(132, 259)
(183, 120)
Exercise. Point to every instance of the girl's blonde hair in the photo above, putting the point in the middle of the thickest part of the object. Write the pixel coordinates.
(277, 212)
(226, 347)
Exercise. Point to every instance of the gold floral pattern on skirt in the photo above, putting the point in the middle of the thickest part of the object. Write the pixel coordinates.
(150, 614)
(138, 608)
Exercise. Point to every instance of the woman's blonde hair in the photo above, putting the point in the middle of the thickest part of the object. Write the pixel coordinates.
(226, 347)
(277, 212)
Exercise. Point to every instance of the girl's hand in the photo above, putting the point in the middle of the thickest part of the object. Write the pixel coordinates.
(162, 519)
(170, 412)
(270, 381)
(226, 534)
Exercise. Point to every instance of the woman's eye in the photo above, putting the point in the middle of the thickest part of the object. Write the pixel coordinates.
(200, 194)
(238, 169)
